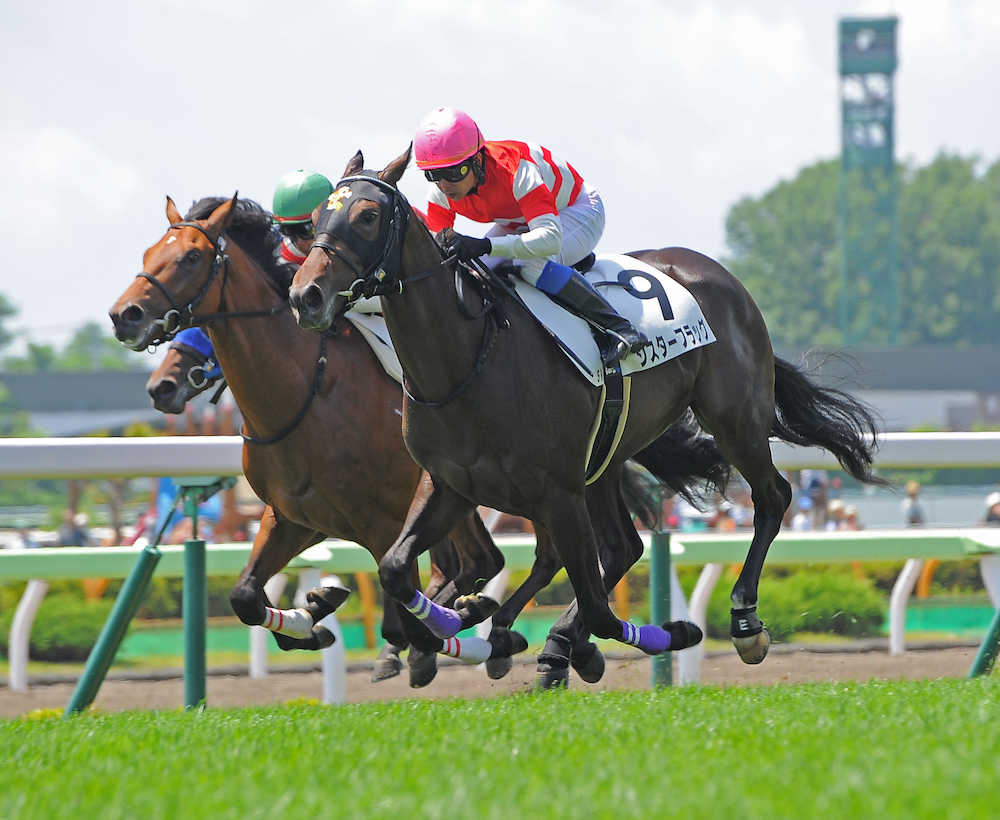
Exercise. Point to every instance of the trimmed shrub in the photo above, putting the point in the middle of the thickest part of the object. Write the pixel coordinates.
(65, 628)
(807, 602)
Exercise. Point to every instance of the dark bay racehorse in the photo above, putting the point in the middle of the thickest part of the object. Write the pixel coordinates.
(499, 416)
(323, 450)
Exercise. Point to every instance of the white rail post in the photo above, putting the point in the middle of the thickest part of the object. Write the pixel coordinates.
(689, 661)
(989, 567)
(897, 604)
(258, 635)
(334, 657)
(20, 633)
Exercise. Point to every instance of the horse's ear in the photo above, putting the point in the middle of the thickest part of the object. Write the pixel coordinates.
(356, 164)
(394, 170)
(173, 215)
(221, 216)
(315, 214)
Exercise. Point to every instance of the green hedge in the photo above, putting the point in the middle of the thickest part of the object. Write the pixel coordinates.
(833, 601)
(65, 628)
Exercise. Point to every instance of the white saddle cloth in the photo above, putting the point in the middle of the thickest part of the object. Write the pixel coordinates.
(657, 305)
(372, 327)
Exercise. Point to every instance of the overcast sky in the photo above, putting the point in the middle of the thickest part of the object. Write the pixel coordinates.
(673, 110)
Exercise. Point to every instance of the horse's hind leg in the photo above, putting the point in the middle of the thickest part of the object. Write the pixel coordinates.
(619, 547)
(508, 643)
(388, 663)
(741, 430)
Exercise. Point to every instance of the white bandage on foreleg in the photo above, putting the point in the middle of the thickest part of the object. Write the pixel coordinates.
(295, 623)
(468, 650)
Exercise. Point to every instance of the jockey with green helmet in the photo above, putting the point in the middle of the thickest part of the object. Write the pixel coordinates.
(546, 217)
(296, 197)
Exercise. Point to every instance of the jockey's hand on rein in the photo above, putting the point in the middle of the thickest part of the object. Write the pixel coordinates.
(467, 248)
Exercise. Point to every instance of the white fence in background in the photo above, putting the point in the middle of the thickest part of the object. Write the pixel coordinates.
(182, 456)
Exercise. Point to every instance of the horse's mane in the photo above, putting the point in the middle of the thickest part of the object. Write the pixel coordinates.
(252, 228)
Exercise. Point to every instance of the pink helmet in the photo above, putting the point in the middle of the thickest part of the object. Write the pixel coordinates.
(445, 137)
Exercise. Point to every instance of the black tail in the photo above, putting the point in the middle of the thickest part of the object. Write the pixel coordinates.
(684, 459)
(809, 415)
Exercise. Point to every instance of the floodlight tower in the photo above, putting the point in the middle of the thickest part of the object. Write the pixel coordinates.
(866, 204)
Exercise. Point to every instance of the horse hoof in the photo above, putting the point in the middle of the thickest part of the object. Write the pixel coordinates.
(323, 637)
(683, 634)
(497, 668)
(750, 636)
(753, 649)
(475, 608)
(321, 601)
(551, 677)
(423, 667)
(388, 664)
(589, 663)
(507, 642)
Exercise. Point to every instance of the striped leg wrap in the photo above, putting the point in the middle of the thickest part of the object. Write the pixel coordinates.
(295, 623)
(443, 622)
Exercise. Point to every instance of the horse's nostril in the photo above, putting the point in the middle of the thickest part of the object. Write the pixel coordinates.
(132, 314)
(313, 297)
(164, 389)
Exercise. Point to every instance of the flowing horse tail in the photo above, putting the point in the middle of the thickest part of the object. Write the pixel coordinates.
(685, 460)
(809, 415)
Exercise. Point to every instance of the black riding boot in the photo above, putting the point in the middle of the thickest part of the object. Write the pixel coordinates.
(580, 297)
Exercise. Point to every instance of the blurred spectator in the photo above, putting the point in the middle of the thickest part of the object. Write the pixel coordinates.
(724, 521)
(836, 485)
(835, 515)
(814, 484)
(851, 521)
(28, 540)
(992, 510)
(913, 510)
(74, 532)
(742, 509)
(803, 519)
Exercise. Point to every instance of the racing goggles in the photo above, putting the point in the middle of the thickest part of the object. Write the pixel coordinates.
(298, 230)
(453, 173)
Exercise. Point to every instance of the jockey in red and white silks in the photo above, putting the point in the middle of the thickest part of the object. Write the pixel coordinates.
(544, 215)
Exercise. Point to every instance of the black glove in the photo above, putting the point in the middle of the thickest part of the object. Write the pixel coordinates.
(467, 248)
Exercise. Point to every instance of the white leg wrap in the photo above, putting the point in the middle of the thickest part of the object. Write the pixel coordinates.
(295, 623)
(468, 650)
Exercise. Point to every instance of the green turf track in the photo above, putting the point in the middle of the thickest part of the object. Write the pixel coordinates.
(878, 750)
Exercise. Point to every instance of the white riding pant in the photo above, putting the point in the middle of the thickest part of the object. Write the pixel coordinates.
(582, 227)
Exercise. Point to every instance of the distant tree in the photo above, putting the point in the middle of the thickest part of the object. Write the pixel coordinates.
(93, 348)
(785, 250)
(7, 311)
(37, 359)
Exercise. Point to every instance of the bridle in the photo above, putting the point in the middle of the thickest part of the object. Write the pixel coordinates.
(380, 271)
(181, 316)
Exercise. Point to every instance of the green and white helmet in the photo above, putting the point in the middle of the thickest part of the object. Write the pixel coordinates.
(297, 195)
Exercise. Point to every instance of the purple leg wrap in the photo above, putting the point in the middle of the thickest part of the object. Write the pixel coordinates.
(650, 638)
(443, 622)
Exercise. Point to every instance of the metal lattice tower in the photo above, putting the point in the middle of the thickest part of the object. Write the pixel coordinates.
(867, 218)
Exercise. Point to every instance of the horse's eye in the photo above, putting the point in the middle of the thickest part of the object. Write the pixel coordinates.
(191, 256)
(369, 216)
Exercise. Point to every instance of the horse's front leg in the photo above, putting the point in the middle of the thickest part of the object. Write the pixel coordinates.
(277, 542)
(435, 510)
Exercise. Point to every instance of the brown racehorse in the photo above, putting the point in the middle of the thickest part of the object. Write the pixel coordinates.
(341, 468)
(187, 371)
(499, 416)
